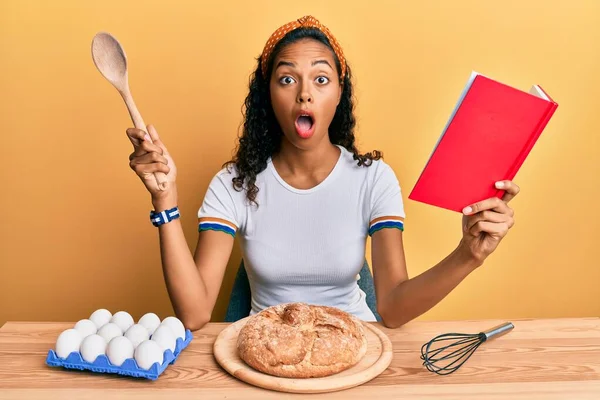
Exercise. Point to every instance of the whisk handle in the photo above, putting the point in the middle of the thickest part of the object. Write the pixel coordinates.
(498, 330)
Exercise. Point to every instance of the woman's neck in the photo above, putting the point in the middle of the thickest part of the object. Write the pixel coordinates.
(305, 168)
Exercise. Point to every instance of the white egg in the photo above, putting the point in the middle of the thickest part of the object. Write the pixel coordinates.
(118, 350)
(176, 326)
(86, 327)
(123, 319)
(91, 347)
(150, 321)
(68, 341)
(147, 353)
(163, 335)
(110, 331)
(100, 317)
(137, 334)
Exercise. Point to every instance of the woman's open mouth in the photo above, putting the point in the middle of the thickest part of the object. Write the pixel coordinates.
(305, 125)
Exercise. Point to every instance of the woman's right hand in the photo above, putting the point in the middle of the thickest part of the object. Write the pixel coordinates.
(149, 157)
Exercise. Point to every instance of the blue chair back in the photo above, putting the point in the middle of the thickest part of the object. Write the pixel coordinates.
(240, 299)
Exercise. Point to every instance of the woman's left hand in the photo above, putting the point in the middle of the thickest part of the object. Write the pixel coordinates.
(485, 223)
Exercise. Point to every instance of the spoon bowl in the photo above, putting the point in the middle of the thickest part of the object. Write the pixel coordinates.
(110, 59)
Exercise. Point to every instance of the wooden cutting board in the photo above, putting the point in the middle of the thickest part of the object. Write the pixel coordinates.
(375, 361)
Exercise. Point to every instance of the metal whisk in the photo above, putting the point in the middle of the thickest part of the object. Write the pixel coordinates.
(456, 348)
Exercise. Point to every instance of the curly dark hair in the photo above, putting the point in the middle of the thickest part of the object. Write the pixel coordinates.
(261, 136)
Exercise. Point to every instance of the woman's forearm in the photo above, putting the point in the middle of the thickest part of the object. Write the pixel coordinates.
(184, 284)
(415, 296)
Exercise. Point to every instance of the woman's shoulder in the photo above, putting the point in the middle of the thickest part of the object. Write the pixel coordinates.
(226, 181)
(230, 171)
(372, 171)
(227, 171)
(222, 180)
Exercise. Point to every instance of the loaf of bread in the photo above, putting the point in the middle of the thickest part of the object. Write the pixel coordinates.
(298, 340)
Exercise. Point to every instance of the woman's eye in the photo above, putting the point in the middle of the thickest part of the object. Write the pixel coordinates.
(322, 80)
(286, 80)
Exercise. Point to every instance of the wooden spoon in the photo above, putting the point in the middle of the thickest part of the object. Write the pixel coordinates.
(109, 57)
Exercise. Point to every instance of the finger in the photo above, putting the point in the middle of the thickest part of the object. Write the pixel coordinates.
(145, 171)
(136, 136)
(154, 135)
(145, 147)
(493, 228)
(485, 216)
(492, 203)
(149, 158)
(510, 188)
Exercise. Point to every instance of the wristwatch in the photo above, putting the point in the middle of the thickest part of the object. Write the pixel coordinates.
(163, 217)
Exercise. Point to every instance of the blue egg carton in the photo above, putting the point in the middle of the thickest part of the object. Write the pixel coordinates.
(130, 368)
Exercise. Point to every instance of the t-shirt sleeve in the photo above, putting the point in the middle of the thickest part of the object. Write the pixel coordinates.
(387, 206)
(218, 211)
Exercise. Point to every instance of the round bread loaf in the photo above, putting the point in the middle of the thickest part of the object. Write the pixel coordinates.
(298, 340)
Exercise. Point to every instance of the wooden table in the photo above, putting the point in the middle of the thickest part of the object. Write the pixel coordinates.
(539, 359)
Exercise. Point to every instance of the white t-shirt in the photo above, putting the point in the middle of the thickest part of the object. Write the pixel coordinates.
(307, 245)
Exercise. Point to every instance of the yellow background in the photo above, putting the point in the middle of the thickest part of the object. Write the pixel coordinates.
(75, 234)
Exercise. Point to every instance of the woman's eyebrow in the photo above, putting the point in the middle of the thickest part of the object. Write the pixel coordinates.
(293, 65)
(321, 62)
(285, 63)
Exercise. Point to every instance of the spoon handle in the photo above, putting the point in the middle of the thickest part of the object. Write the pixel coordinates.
(138, 122)
(134, 113)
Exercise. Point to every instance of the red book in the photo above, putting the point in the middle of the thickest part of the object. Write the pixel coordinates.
(487, 138)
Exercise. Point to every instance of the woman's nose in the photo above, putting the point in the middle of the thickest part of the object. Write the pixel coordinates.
(304, 96)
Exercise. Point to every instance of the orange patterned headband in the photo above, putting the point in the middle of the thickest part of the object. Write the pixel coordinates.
(304, 22)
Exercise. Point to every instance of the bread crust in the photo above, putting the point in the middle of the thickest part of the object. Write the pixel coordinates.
(298, 340)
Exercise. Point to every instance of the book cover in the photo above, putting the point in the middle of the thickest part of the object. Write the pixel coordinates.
(487, 138)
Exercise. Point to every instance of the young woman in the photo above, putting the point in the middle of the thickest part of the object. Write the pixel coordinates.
(303, 199)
